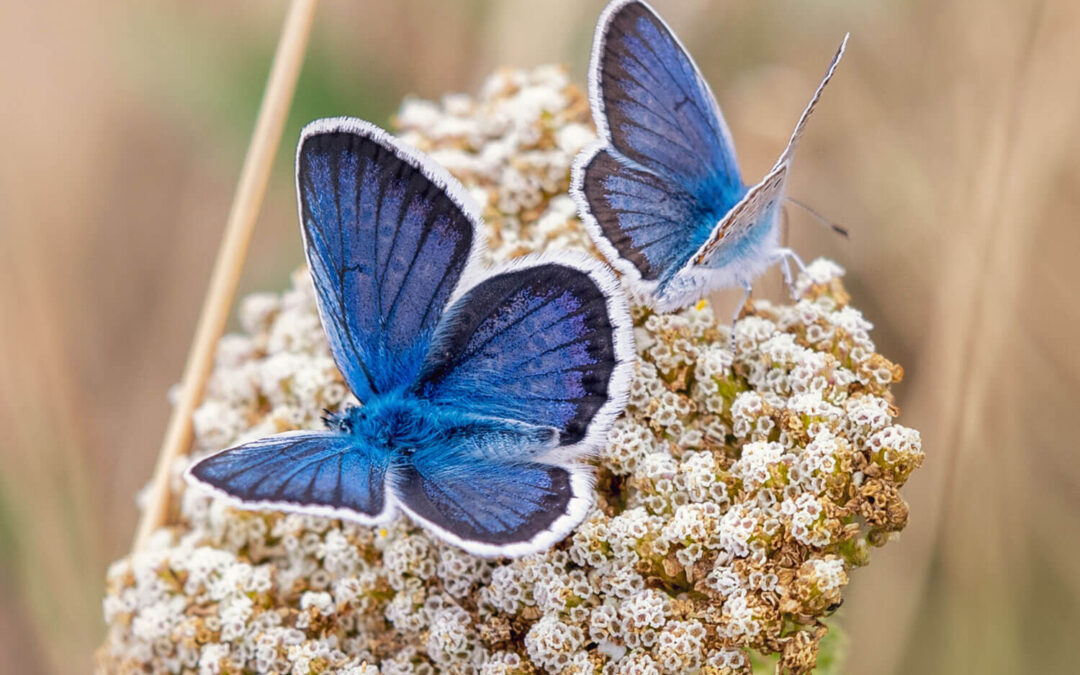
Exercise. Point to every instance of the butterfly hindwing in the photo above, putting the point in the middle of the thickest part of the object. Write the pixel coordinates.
(739, 236)
(641, 220)
(544, 343)
(494, 507)
(319, 472)
(387, 239)
(497, 438)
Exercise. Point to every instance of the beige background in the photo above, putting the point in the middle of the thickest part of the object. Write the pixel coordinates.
(948, 143)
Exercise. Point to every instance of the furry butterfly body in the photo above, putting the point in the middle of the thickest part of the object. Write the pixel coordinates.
(660, 191)
(478, 387)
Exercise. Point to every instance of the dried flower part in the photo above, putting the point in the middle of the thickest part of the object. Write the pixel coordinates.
(735, 495)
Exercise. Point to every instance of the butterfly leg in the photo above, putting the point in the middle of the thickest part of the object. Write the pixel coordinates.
(785, 268)
(738, 310)
(784, 256)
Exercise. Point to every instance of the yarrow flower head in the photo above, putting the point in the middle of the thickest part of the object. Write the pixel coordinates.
(735, 496)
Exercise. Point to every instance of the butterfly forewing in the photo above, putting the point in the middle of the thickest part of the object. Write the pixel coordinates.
(759, 207)
(386, 243)
(789, 151)
(657, 110)
(752, 215)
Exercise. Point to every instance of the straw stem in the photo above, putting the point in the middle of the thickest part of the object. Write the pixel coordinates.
(254, 177)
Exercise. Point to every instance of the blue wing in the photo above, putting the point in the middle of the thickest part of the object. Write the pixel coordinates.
(654, 107)
(492, 507)
(387, 235)
(646, 225)
(323, 473)
(544, 343)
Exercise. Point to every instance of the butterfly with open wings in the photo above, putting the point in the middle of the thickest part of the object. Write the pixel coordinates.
(478, 388)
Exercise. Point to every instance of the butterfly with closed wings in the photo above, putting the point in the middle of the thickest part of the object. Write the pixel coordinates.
(478, 388)
(660, 191)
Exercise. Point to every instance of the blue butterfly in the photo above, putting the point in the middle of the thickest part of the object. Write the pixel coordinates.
(478, 388)
(660, 192)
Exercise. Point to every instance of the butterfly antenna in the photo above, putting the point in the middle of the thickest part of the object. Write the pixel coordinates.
(842, 231)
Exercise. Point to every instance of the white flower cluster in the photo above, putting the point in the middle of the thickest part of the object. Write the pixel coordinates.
(733, 497)
(512, 147)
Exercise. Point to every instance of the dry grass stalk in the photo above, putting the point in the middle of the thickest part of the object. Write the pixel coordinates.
(230, 260)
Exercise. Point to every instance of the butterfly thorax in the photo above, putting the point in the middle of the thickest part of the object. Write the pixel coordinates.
(395, 423)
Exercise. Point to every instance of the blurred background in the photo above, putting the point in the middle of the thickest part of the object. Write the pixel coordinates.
(949, 143)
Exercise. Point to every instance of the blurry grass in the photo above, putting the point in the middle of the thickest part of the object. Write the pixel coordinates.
(49, 519)
(9, 544)
(212, 76)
